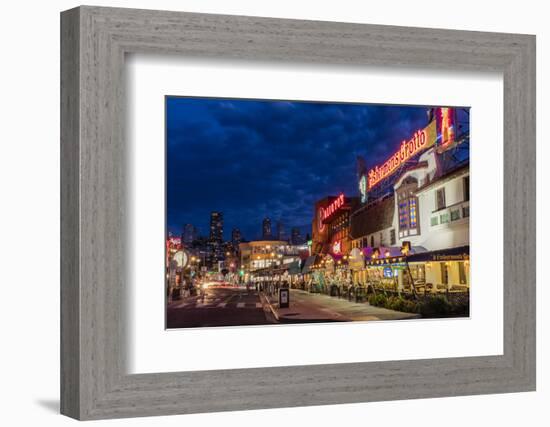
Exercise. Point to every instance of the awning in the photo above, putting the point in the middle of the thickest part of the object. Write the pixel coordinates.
(310, 260)
(460, 253)
(294, 268)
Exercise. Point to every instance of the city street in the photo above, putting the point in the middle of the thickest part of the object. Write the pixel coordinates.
(235, 306)
(220, 306)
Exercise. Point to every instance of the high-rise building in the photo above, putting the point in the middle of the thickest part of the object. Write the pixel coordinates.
(236, 237)
(281, 233)
(215, 240)
(296, 236)
(216, 226)
(266, 229)
(190, 234)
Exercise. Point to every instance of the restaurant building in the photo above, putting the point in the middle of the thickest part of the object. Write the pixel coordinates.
(418, 232)
(271, 258)
(331, 243)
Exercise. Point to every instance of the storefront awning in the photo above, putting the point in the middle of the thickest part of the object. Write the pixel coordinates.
(460, 253)
(310, 261)
(294, 268)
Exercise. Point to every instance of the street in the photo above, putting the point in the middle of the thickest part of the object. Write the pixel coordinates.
(220, 306)
(235, 306)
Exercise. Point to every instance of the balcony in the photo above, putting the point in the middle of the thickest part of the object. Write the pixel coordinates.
(451, 214)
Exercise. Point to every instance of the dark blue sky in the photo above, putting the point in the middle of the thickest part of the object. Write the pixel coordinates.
(252, 158)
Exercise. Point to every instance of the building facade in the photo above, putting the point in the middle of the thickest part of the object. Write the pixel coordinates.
(215, 240)
(418, 233)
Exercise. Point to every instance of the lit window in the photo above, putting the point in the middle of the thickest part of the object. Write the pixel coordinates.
(412, 212)
(408, 207)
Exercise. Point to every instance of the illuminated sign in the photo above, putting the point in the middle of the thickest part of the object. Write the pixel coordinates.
(363, 188)
(325, 213)
(421, 140)
(173, 242)
(181, 258)
(445, 118)
(337, 247)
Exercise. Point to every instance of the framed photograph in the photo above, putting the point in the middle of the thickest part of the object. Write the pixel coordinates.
(354, 212)
(261, 213)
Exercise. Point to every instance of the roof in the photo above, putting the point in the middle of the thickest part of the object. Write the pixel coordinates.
(373, 218)
(456, 171)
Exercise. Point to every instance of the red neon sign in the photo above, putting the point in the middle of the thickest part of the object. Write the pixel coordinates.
(421, 140)
(325, 213)
(445, 118)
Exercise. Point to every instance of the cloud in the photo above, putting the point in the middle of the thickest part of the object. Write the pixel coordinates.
(251, 159)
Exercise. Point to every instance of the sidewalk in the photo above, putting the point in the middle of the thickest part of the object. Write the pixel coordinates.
(306, 307)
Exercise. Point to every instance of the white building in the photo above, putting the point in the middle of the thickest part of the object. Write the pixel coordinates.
(430, 209)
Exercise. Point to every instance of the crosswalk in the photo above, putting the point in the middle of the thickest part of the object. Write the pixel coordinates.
(215, 303)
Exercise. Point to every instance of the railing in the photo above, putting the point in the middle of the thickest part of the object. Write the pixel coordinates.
(450, 214)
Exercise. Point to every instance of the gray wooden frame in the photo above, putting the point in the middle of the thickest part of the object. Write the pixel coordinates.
(94, 41)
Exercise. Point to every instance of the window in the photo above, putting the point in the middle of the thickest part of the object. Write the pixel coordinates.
(465, 211)
(444, 218)
(466, 187)
(412, 212)
(392, 237)
(418, 272)
(403, 215)
(434, 221)
(455, 215)
(408, 207)
(461, 273)
(444, 273)
(372, 241)
(381, 239)
(440, 199)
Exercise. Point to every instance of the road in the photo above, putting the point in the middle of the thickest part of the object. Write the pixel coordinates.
(219, 307)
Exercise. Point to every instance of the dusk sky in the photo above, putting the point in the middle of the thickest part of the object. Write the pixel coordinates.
(252, 158)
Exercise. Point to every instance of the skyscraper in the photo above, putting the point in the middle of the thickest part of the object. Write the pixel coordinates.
(216, 226)
(296, 236)
(190, 233)
(281, 234)
(236, 237)
(215, 240)
(266, 229)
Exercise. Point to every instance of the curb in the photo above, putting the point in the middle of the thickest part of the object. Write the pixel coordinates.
(286, 319)
(265, 302)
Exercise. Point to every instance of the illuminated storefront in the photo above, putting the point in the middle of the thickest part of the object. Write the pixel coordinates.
(330, 228)
(330, 239)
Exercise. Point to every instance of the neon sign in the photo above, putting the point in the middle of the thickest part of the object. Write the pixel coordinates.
(363, 188)
(325, 213)
(421, 140)
(445, 127)
(337, 247)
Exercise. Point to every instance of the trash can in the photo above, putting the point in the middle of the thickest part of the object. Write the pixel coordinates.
(284, 298)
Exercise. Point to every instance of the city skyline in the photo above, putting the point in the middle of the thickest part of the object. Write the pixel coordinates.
(302, 231)
(252, 159)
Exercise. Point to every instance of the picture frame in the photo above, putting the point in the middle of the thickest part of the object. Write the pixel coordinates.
(94, 381)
